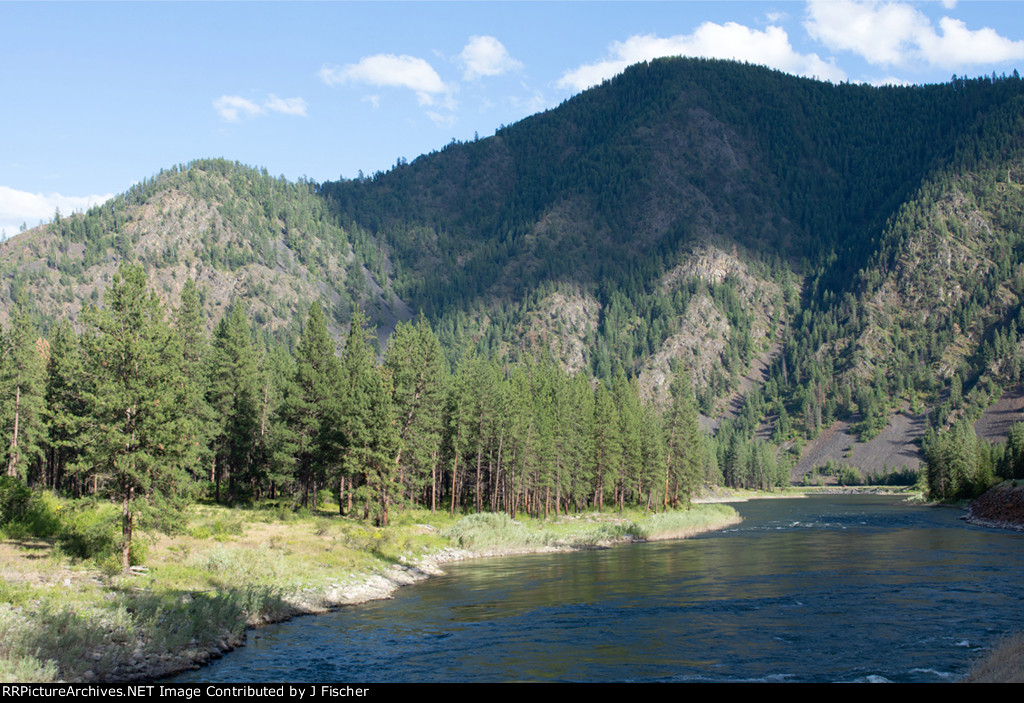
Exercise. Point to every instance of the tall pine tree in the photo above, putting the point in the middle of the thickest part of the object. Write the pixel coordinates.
(137, 405)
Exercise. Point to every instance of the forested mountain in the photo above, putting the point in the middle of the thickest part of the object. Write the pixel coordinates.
(238, 232)
(687, 219)
(689, 209)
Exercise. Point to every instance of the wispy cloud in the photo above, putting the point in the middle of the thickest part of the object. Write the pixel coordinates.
(897, 34)
(235, 108)
(389, 70)
(19, 207)
(770, 47)
(287, 106)
(486, 56)
(232, 108)
(443, 119)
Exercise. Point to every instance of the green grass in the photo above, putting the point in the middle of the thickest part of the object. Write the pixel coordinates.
(490, 532)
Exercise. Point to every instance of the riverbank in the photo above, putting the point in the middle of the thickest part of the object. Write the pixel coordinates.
(62, 620)
(1001, 506)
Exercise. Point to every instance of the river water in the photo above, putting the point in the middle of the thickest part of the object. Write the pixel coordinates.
(826, 588)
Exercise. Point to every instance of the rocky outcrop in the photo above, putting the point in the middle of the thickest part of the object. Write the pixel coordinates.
(1002, 506)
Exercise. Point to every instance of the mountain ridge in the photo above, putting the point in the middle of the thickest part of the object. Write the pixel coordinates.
(874, 234)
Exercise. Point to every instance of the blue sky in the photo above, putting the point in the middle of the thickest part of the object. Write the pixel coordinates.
(100, 95)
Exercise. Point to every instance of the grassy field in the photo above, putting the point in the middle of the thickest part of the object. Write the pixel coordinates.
(68, 614)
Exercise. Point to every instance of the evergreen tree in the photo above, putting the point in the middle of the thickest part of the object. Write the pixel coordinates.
(23, 385)
(190, 326)
(607, 444)
(313, 408)
(234, 397)
(137, 406)
(686, 448)
(368, 423)
(418, 372)
(65, 405)
(276, 441)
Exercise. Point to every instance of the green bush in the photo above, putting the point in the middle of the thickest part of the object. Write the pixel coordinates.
(92, 531)
(849, 476)
(15, 497)
(24, 513)
(483, 530)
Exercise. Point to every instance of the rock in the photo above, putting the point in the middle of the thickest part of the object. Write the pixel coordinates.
(1001, 506)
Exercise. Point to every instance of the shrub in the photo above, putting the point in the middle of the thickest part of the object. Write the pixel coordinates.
(24, 513)
(93, 531)
(15, 497)
(482, 530)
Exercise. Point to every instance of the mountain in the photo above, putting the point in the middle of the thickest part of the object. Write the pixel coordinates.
(238, 232)
(691, 200)
(808, 252)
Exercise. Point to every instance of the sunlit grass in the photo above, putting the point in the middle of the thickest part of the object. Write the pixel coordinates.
(492, 532)
(1004, 664)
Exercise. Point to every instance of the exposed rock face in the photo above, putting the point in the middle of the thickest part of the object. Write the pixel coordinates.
(563, 323)
(1002, 506)
(698, 345)
(704, 331)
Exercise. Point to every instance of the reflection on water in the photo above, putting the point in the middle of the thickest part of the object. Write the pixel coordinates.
(829, 588)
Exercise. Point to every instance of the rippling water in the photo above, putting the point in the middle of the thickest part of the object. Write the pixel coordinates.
(828, 588)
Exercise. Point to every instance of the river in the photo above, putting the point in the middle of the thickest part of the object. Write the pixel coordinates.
(827, 588)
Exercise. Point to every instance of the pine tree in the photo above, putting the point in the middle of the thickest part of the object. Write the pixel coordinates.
(313, 408)
(418, 375)
(686, 447)
(579, 428)
(368, 423)
(139, 428)
(190, 326)
(607, 444)
(233, 394)
(65, 404)
(276, 442)
(627, 404)
(455, 435)
(23, 385)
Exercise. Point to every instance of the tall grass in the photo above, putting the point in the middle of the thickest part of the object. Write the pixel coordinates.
(497, 531)
(1004, 664)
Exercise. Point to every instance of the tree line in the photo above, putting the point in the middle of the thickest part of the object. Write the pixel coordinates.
(146, 407)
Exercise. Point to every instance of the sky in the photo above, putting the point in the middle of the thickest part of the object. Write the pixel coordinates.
(98, 96)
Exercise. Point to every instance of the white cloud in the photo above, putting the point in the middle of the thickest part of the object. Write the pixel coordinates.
(535, 102)
(18, 206)
(486, 56)
(388, 70)
(770, 47)
(958, 45)
(443, 119)
(287, 106)
(233, 108)
(896, 34)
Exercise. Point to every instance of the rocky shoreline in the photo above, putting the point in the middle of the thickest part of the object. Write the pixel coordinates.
(1001, 507)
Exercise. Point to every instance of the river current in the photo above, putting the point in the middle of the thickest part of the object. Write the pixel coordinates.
(826, 588)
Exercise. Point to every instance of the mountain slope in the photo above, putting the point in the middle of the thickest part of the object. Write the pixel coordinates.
(238, 232)
(863, 243)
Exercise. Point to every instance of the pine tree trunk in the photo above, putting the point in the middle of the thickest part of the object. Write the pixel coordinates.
(127, 519)
(12, 457)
